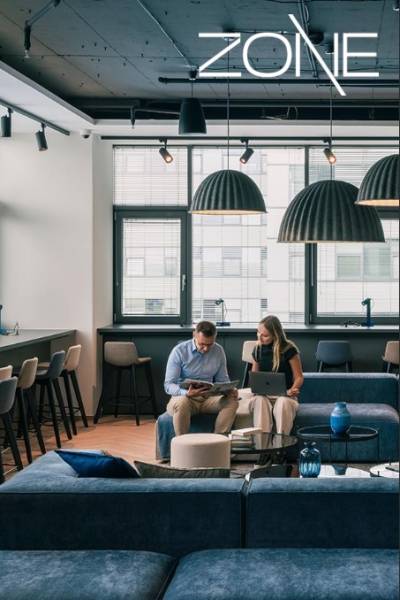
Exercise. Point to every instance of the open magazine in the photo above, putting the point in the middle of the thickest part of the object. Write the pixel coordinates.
(213, 388)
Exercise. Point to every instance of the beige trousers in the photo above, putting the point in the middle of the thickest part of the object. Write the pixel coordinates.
(182, 408)
(267, 409)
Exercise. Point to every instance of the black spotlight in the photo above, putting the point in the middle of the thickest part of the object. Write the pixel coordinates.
(191, 117)
(247, 154)
(6, 125)
(164, 152)
(329, 155)
(132, 117)
(41, 139)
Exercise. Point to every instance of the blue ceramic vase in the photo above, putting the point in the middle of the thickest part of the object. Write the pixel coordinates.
(310, 461)
(340, 418)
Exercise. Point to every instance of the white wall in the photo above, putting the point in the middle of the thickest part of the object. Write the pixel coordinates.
(47, 216)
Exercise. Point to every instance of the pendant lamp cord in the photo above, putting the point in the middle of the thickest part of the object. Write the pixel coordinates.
(331, 121)
(228, 107)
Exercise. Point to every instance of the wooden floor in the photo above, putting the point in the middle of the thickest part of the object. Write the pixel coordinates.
(120, 437)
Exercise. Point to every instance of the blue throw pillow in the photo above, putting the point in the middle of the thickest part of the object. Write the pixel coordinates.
(92, 464)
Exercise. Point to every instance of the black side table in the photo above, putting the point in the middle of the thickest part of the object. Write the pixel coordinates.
(324, 433)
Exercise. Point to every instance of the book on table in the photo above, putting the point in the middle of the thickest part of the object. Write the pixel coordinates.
(216, 387)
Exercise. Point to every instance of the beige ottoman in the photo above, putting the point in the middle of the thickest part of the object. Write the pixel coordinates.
(201, 450)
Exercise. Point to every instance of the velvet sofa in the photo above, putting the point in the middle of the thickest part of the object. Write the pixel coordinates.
(66, 538)
(372, 401)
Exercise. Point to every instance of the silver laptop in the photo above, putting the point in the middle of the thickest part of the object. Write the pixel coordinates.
(268, 384)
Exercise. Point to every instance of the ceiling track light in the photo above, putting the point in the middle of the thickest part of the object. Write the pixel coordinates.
(167, 157)
(41, 139)
(32, 20)
(247, 154)
(132, 117)
(330, 156)
(396, 6)
(6, 124)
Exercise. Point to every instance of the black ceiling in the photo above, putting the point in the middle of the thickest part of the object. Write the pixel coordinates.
(106, 56)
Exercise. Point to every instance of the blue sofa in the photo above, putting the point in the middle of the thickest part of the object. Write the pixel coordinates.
(67, 538)
(372, 401)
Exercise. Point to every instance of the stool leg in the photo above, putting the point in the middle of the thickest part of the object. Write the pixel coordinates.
(41, 403)
(13, 441)
(150, 383)
(132, 377)
(69, 402)
(320, 367)
(99, 408)
(35, 420)
(78, 396)
(1, 469)
(24, 424)
(60, 401)
(50, 396)
(116, 408)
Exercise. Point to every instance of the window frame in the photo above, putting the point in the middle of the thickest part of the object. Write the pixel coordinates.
(311, 316)
(152, 213)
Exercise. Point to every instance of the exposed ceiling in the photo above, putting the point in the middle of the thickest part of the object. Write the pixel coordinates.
(106, 56)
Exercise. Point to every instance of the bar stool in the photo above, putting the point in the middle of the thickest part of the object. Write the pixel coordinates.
(123, 356)
(7, 398)
(68, 374)
(247, 358)
(391, 356)
(27, 406)
(48, 381)
(6, 372)
(332, 353)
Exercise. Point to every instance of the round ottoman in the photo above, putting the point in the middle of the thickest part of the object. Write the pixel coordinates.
(200, 450)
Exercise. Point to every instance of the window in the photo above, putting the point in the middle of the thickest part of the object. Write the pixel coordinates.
(348, 273)
(237, 257)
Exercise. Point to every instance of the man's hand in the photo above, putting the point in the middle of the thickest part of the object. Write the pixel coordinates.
(194, 391)
(233, 394)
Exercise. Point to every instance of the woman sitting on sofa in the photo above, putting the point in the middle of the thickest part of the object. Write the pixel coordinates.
(274, 353)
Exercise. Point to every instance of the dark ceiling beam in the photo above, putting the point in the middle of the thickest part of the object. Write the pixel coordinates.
(152, 104)
(377, 83)
(255, 138)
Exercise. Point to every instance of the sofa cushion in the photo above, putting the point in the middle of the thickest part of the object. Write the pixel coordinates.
(109, 575)
(322, 513)
(163, 472)
(286, 574)
(95, 464)
(46, 507)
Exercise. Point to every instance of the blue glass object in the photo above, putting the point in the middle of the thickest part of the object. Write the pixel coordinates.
(310, 460)
(340, 418)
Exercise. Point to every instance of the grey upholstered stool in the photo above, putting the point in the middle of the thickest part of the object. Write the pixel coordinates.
(201, 450)
(391, 356)
(68, 374)
(123, 356)
(247, 358)
(7, 398)
(331, 353)
(27, 405)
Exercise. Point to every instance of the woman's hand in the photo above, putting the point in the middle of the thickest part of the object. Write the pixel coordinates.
(293, 392)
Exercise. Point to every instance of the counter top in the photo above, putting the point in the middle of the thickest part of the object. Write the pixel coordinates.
(248, 327)
(31, 336)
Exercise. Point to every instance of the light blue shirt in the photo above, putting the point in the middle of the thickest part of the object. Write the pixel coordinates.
(186, 362)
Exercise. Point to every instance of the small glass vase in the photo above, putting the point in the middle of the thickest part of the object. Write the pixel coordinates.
(340, 418)
(310, 460)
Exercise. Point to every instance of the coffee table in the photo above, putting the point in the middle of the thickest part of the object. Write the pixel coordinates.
(269, 447)
(341, 471)
(324, 433)
(383, 471)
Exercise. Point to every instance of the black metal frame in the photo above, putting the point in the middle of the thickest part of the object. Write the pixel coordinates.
(155, 212)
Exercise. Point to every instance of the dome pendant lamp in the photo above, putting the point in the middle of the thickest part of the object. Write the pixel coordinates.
(191, 116)
(228, 191)
(381, 184)
(325, 211)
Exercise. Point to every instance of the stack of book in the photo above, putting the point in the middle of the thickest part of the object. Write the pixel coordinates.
(242, 438)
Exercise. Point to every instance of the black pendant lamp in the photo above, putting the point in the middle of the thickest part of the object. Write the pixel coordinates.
(228, 191)
(325, 211)
(191, 117)
(381, 184)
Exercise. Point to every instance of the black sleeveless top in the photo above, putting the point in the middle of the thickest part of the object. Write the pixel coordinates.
(263, 355)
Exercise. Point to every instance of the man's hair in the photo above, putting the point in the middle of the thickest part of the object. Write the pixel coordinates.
(207, 328)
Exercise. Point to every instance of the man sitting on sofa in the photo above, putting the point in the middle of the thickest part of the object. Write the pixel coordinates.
(200, 358)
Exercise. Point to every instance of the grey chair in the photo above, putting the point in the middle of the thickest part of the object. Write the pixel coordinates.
(6, 372)
(7, 399)
(48, 382)
(391, 356)
(68, 374)
(123, 356)
(332, 353)
(27, 405)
